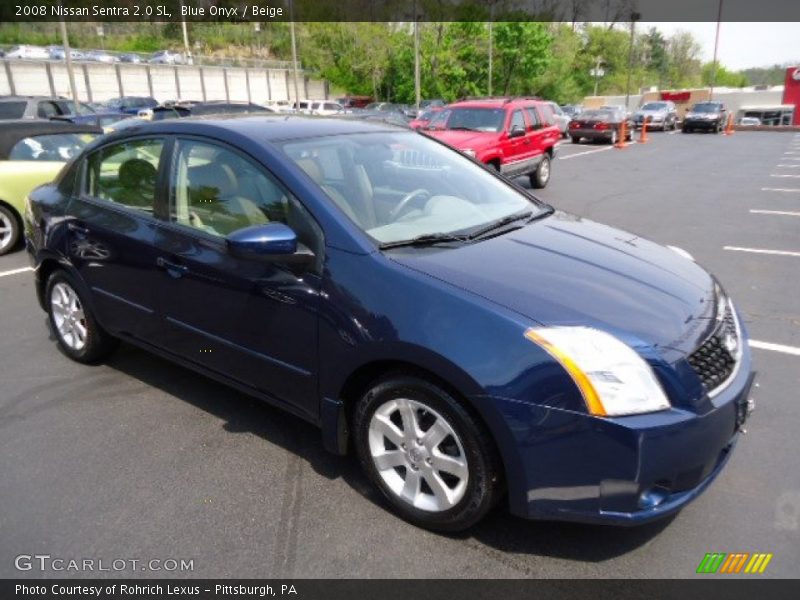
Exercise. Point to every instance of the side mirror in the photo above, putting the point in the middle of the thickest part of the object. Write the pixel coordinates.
(516, 132)
(270, 242)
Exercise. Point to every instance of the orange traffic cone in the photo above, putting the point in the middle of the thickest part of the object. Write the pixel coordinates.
(729, 125)
(622, 133)
(643, 137)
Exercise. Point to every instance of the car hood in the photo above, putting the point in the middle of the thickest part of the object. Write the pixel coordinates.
(702, 115)
(651, 113)
(464, 139)
(565, 270)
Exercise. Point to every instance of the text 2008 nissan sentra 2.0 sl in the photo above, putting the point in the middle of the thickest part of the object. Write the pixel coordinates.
(461, 337)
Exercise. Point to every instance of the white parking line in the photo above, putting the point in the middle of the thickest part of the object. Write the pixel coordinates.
(786, 213)
(761, 251)
(585, 153)
(777, 175)
(775, 347)
(787, 190)
(15, 271)
(789, 166)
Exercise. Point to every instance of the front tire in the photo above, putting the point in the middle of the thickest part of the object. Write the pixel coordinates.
(75, 327)
(9, 230)
(541, 176)
(430, 458)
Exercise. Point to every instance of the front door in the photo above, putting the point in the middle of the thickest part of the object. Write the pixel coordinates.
(249, 320)
(111, 219)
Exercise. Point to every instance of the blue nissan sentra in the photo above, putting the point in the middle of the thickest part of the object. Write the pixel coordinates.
(469, 343)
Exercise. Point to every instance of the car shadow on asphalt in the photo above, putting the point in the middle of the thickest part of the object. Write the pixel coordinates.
(499, 531)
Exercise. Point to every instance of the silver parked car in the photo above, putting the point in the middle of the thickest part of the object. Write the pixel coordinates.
(659, 115)
(561, 118)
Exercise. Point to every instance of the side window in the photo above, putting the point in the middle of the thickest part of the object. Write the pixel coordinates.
(47, 109)
(547, 114)
(218, 191)
(125, 173)
(533, 118)
(517, 121)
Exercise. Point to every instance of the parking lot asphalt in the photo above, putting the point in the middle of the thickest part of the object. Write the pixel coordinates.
(141, 459)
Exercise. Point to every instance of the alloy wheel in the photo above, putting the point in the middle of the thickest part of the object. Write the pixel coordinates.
(418, 455)
(68, 316)
(6, 231)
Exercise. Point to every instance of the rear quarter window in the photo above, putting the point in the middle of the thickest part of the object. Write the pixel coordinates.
(12, 110)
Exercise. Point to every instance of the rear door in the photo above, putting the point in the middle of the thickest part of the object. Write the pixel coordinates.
(112, 220)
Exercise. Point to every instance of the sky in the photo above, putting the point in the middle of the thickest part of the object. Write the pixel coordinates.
(742, 45)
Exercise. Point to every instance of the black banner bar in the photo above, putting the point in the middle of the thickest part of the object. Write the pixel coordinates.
(731, 588)
(398, 10)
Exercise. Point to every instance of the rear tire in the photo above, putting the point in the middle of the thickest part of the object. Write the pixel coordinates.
(541, 176)
(576, 140)
(75, 327)
(686, 129)
(407, 433)
(9, 230)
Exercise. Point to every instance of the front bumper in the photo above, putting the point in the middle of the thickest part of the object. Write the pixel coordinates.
(650, 124)
(701, 124)
(566, 466)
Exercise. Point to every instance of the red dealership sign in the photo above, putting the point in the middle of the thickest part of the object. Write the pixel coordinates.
(676, 96)
(791, 92)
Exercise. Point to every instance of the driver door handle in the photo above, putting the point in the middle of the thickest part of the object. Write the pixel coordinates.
(173, 269)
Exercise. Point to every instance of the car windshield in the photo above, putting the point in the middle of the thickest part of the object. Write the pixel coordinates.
(54, 147)
(654, 106)
(476, 119)
(401, 186)
(705, 108)
(12, 110)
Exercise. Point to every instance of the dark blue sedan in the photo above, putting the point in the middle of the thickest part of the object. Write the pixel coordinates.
(468, 342)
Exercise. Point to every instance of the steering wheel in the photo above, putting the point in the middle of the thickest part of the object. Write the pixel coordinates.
(407, 199)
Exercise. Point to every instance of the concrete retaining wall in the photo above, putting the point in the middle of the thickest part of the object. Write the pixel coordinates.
(97, 82)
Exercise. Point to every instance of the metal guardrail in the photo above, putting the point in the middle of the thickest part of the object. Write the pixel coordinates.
(198, 60)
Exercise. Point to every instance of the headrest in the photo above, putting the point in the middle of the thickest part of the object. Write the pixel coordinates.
(136, 172)
(312, 169)
(215, 179)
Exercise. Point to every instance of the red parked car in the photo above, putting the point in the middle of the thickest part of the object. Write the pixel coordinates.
(354, 101)
(424, 117)
(516, 136)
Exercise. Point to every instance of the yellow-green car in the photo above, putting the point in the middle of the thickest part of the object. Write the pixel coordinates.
(32, 153)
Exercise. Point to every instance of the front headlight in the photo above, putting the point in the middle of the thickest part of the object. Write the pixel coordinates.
(613, 379)
(469, 152)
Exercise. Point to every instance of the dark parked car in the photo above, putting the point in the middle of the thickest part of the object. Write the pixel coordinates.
(131, 104)
(706, 116)
(601, 124)
(659, 115)
(468, 342)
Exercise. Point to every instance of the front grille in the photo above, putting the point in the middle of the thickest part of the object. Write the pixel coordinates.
(715, 359)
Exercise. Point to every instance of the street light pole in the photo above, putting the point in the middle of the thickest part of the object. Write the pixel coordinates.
(417, 83)
(294, 56)
(634, 17)
(716, 46)
(491, 44)
(597, 71)
(68, 57)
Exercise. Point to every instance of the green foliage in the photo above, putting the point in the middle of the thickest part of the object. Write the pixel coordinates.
(723, 77)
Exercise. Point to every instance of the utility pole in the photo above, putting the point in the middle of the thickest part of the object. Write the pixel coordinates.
(187, 53)
(491, 44)
(597, 72)
(634, 17)
(294, 57)
(68, 58)
(417, 93)
(716, 46)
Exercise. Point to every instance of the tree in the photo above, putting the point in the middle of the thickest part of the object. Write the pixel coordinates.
(658, 59)
(723, 77)
(684, 60)
(522, 51)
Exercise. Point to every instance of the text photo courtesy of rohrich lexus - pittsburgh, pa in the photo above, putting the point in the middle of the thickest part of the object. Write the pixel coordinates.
(391, 299)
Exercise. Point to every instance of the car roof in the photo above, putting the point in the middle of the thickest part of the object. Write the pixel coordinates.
(13, 131)
(262, 127)
(495, 103)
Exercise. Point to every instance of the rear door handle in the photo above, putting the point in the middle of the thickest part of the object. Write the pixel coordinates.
(77, 228)
(173, 269)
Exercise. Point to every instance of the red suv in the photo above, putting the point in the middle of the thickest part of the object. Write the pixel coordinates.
(516, 136)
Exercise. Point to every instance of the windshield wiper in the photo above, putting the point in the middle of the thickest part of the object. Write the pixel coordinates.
(499, 223)
(428, 239)
(461, 128)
